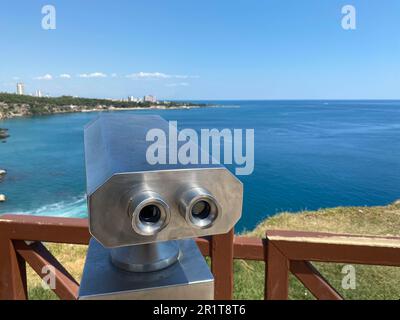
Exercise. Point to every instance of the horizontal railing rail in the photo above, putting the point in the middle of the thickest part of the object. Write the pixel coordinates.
(283, 252)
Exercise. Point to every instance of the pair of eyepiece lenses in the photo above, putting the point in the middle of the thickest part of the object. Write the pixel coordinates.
(150, 214)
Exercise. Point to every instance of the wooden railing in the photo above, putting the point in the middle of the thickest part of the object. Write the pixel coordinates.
(290, 251)
(22, 237)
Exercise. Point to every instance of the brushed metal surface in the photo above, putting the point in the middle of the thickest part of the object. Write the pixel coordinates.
(146, 257)
(188, 278)
(110, 223)
(117, 144)
(117, 173)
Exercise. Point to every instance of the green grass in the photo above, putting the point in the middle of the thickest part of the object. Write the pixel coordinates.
(372, 282)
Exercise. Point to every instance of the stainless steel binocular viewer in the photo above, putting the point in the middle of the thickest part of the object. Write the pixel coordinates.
(138, 209)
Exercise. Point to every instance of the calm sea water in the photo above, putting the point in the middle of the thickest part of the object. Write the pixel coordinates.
(309, 155)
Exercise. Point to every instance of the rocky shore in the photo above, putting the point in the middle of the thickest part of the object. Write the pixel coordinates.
(8, 111)
(25, 111)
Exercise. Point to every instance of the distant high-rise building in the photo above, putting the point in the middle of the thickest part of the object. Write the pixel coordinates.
(38, 93)
(20, 89)
(150, 98)
(132, 99)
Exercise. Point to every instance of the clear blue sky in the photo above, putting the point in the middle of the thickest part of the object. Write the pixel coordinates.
(203, 49)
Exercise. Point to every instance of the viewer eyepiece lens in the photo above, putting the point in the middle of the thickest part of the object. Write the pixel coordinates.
(150, 214)
(201, 210)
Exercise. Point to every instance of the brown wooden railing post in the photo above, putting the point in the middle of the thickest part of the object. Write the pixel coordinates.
(276, 274)
(315, 282)
(13, 285)
(222, 265)
(38, 256)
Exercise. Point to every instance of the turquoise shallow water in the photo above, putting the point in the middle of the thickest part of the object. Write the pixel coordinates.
(309, 155)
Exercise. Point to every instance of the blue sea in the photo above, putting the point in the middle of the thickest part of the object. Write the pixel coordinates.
(308, 155)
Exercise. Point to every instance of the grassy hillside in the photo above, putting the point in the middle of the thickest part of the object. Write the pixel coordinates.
(372, 282)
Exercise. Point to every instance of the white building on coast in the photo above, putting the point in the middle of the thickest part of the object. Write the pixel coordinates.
(20, 89)
(150, 98)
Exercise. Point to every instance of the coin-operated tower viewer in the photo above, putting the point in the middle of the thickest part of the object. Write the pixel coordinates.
(143, 217)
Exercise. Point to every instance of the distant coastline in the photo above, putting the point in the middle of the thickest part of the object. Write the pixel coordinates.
(13, 105)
